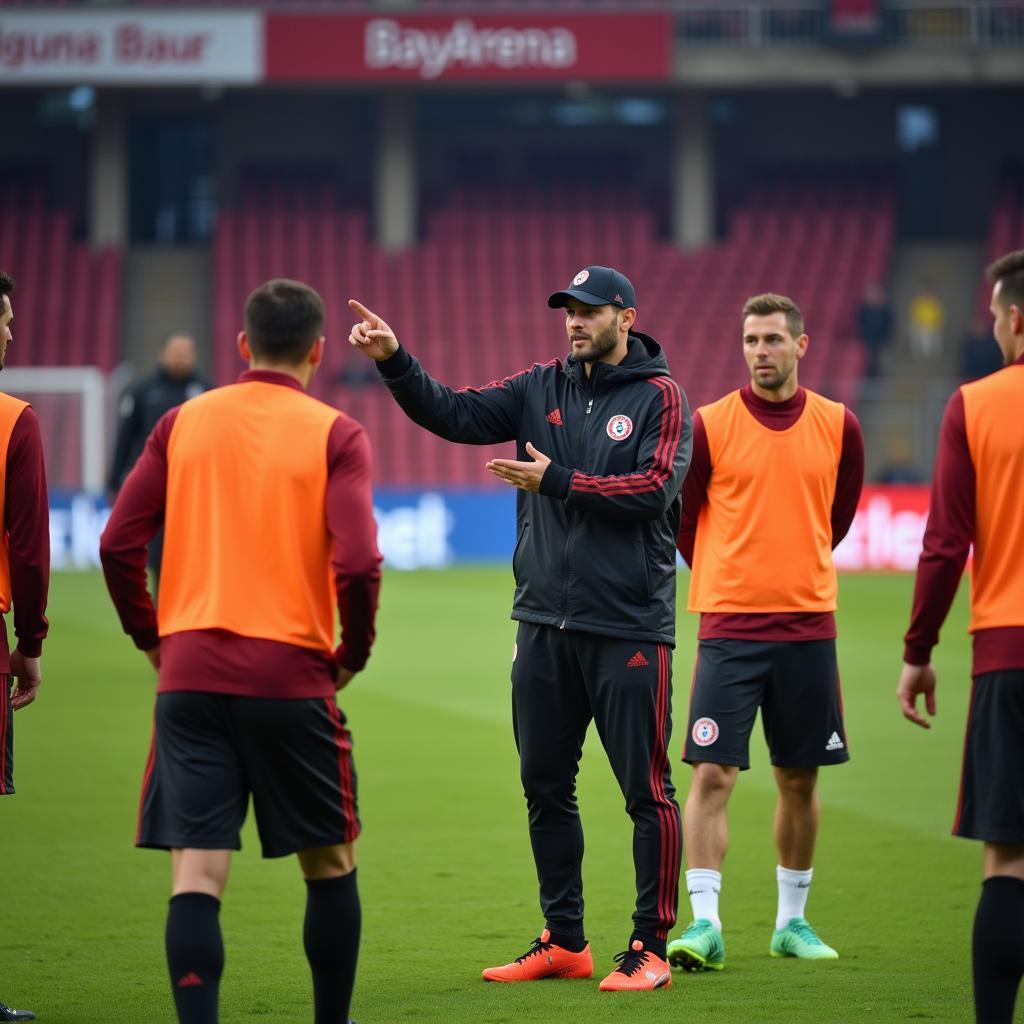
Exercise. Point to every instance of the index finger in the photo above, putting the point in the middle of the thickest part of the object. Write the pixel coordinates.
(362, 310)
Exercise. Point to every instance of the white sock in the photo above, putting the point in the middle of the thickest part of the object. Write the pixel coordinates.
(793, 889)
(704, 885)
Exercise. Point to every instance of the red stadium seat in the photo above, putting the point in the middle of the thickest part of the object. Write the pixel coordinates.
(448, 296)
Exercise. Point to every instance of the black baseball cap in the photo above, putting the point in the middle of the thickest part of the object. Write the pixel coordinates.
(597, 286)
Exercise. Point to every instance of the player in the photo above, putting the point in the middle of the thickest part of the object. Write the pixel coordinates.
(602, 444)
(24, 565)
(773, 487)
(264, 495)
(975, 499)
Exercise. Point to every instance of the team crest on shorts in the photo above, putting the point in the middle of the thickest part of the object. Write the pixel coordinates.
(619, 428)
(580, 277)
(705, 732)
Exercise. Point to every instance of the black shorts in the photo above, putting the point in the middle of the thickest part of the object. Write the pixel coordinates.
(6, 738)
(796, 686)
(991, 806)
(211, 750)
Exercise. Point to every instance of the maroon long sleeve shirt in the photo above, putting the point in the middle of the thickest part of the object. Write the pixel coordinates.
(27, 522)
(220, 661)
(772, 626)
(947, 542)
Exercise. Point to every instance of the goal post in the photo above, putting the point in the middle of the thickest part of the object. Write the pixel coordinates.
(70, 402)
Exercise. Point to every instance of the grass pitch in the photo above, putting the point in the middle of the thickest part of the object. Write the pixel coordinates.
(446, 875)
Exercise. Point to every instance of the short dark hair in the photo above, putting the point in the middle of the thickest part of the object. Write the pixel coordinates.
(283, 319)
(765, 305)
(6, 283)
(1009, 269)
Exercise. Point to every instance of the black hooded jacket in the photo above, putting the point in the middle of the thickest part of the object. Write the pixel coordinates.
(595, 549)
(141, 407)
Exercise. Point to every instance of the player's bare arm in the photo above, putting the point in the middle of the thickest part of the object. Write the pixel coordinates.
(372, 336)
(525, 475)
(915, 681)
(27, 676)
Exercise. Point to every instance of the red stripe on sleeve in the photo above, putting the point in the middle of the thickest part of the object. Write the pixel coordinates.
(505, 380)
(664, 455)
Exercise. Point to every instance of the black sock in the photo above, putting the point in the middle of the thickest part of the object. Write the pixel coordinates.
(195, 956)
(651, 943)
(573, 943)
(331, 939)
(998, 948)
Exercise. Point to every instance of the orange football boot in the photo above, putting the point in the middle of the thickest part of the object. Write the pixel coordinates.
(639, 970)
(544, 960)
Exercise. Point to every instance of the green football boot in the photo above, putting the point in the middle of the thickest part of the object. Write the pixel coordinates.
(699, 948)
(799, 939)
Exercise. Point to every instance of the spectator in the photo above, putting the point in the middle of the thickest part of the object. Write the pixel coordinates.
(980, 355)
(927, 318)
(174, 381)
(874, 323)
(899, 467)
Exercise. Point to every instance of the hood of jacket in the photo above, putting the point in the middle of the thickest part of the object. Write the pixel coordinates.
(644, 358)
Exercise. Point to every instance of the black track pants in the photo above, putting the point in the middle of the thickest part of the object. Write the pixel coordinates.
(560, 681)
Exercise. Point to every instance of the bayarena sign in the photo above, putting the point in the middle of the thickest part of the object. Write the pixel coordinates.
(387, 44)
(487, 47)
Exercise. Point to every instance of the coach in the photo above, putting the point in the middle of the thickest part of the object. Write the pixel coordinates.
(976, 499)
(602, 444)
(264, 494)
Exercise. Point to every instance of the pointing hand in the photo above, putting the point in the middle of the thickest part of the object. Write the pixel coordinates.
(372, 336)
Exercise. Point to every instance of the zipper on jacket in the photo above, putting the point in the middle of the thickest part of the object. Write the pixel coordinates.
(569, 532)
(565, 571)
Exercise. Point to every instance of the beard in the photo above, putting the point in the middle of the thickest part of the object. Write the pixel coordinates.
(772, 383)
(601, 344)
(777, 379)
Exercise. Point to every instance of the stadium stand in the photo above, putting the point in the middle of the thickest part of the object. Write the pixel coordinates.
(469, 299)
(68, 296)
(67, 307)
(1006, 226)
